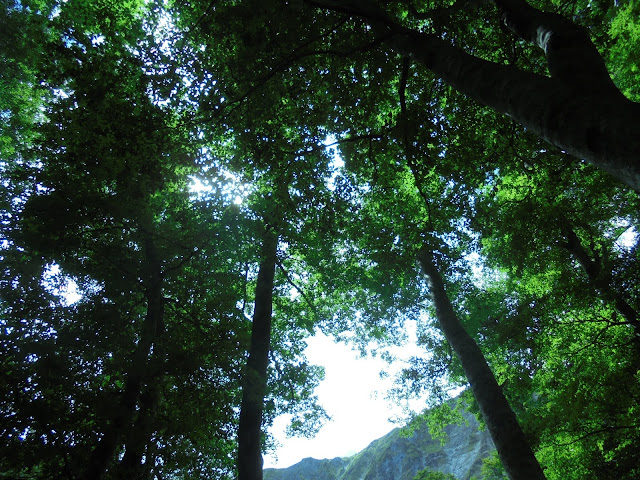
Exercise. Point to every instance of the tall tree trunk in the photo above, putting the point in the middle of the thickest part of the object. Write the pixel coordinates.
(138, 437)
(515, 452)
(255, 376)
(593, 122)
(600, 279)
(152, 326)
(131, 466)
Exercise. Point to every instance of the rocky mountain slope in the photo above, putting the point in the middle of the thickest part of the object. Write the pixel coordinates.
(397, 457)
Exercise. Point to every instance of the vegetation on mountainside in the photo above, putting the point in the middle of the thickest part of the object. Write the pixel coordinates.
(402, 453)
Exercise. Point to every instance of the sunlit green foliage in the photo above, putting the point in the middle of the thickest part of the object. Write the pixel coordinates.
(428, 474)
(108, 112)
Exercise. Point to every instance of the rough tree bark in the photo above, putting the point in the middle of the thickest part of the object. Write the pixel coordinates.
(577, 109)
(515, 452)
(254, 386)
(153, 326)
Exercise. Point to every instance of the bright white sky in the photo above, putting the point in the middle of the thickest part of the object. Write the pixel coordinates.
(353, 395)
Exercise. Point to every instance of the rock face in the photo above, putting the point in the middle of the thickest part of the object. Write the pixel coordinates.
(400, 458)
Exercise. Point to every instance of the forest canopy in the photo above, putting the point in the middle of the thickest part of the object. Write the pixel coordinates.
(189, 190)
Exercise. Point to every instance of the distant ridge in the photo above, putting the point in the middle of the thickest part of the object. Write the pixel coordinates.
(394, 457)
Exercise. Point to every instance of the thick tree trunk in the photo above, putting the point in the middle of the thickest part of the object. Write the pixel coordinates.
(125, 411)
(599, 279)
(255, 376)
(571, 55)
(515, 453)
(577, 109)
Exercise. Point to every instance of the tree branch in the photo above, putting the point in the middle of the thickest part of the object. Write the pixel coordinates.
(598, 278)
(571, 55)
(300, 291)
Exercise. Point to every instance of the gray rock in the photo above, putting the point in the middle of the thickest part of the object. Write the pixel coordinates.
(398, 457)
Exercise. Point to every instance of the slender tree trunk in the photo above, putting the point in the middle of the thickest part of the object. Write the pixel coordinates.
(599, 279)
(104, 452)
(139, 436)
(152, 326)
(515, 452)
(594, 122)
(255, 376)
(131, 466)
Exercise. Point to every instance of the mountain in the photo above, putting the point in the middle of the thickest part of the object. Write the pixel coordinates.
(397, 457)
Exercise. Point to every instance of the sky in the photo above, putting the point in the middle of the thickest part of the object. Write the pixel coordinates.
(353, 394)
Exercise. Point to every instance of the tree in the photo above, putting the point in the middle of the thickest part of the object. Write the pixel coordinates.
(513, 448)
(551, 325)
(94, 204)
(429, 474)
(578, 109)
(108, 205)
(255, 377)
(111, 112)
